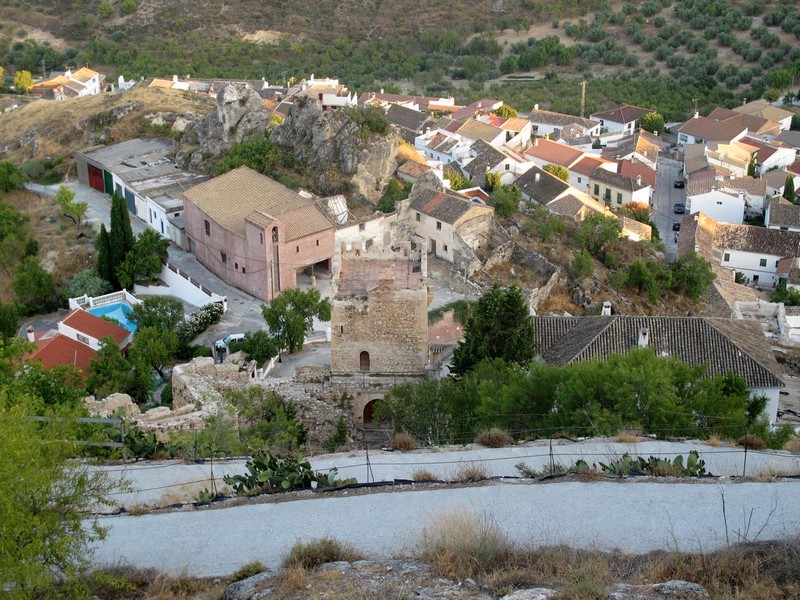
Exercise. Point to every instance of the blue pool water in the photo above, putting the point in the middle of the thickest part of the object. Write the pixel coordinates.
(118, 311)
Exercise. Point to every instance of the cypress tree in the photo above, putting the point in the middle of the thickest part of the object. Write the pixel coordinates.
(121, 234)
(103, 246)
(788, 189)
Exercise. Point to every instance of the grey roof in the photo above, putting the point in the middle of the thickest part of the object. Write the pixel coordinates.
(749, 238)
(723, 345)
(616, 180)
(406, 117)
(487, 158)
(792, 138)
(783, 213)
(546, 189)
(547, 117)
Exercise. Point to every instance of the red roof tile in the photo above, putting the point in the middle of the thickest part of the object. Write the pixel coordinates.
(634, 169)
(62, 350)
(95, 327)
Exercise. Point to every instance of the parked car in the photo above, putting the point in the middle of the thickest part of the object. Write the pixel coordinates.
(676, 226)
(679, 209)
(679, 183)
(223, 343)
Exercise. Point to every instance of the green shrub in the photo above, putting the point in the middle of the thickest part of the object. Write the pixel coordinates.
(311, 555)
(246, 571)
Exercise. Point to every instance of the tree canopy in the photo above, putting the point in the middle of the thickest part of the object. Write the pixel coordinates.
(498, 327)
(65, 198)
(557, 171)
(506, 199)
(144, 260)
(163, 312)
(290, 316)
(652, 122)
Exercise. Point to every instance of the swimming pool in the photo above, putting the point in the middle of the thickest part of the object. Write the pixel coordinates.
(118, 311)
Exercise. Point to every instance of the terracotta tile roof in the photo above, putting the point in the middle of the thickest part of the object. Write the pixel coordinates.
(515, 124)
(640, 143)
(754, 187)
(487, 157)
(553, 152)
(708, 129)
(443, 206)
(765, 110)
(435, 140)
(723, 345)
(161, 83)
(587, 165)
(616, 180)
(764, 150)
(622, 114)
(475, 130)
(633, 169)
(84, 74)
(794, 168)
(231, 198)
(61, 350)
(543, 189)
(469, 110)
(413, 168)
(95, 327)
(547, 117)
(754, 123)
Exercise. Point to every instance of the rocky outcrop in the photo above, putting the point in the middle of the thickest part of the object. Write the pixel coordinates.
(330, 140)
(239, 115)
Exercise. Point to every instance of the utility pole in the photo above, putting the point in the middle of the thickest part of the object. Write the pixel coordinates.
(583, 99)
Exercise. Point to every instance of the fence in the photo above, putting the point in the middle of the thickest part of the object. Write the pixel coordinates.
(112, 298)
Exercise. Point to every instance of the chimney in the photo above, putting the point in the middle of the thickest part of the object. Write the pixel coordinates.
(644, 337)
(381, 90)
(174, 79)
(696, 115)
(535, 107)
(31, 335)
(638, 180)
(606, 312)
(536, 176)
(536, 141)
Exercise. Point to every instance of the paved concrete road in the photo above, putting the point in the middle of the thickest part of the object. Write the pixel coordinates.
(634, 517)
(664, 200)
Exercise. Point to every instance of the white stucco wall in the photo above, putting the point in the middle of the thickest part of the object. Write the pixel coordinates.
(717, 205)
(750, 264)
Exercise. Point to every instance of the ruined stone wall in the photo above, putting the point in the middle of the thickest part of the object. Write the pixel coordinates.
(390, 325)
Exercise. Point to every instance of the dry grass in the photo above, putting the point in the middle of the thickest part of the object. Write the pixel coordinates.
(138, 510)
(406, 151)
(422, 475)
(793, 445)
(64, 248)
(246, 571)
(464, 544)
(714, 441)
(627, 436)
(63, 126)
(404, 442)
(292, 579)
(753, 442)
(494, 438)
(470, 472)
(318, 552)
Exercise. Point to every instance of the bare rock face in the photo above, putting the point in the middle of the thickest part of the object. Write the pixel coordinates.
(668, 590)
(108, 406)
(239, 116)
(327, 140)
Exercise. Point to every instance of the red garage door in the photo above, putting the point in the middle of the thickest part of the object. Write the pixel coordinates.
(96, 178)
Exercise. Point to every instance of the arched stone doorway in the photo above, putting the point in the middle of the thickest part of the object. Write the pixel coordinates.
(363, 360)
(369, 408)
